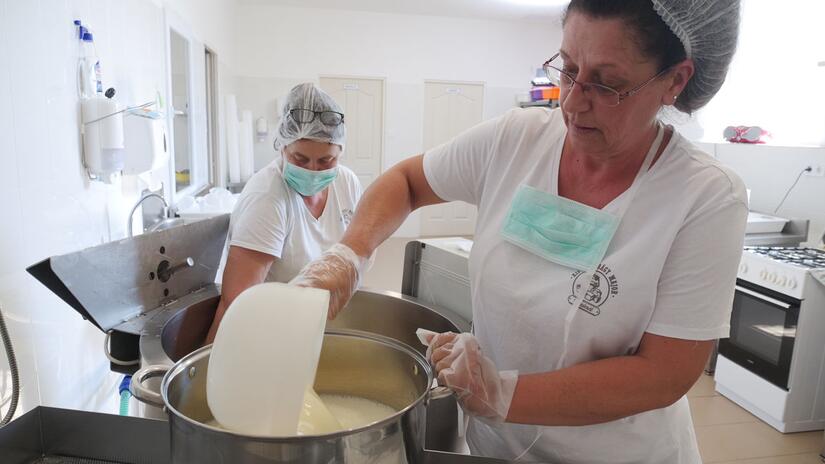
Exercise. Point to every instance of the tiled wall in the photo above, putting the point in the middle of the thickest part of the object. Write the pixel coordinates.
(47, 205)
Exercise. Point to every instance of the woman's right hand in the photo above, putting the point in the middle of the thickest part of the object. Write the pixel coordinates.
(244, 268)
(338, 270)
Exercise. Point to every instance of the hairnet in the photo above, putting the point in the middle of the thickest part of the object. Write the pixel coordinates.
(310, 97)
(708, 30)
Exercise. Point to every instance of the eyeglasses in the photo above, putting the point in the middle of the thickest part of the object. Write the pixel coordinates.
(600, 94)
(328, 118)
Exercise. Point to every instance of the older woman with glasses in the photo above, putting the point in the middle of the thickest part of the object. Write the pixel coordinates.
(606, 248)
(296, 207)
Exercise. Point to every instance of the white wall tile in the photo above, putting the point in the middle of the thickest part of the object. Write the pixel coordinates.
(11, 245)
(48, 205)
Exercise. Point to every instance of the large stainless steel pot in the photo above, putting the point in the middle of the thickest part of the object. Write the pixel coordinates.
(170, 335)
(351, 363)
(385, 313)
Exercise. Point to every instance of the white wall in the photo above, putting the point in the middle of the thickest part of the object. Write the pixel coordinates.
(279, 47)
(213, 21)
(770, 171)
(774, 82)
(47, 204)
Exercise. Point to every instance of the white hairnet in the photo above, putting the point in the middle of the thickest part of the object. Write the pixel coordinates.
(310, 97)
(708, 30)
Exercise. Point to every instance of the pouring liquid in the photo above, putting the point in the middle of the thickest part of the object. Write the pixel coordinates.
(327, 413)
(353, 412)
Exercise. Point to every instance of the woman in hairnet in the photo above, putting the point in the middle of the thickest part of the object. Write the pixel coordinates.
(298, 206)
(606, 246)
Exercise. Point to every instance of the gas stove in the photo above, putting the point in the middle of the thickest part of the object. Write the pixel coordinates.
(796, 256)
(773, 363)
(781, 269)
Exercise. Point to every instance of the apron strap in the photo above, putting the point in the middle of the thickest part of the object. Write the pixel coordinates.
(587, 276)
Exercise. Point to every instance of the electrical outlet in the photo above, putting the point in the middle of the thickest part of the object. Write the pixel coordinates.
(817, 170)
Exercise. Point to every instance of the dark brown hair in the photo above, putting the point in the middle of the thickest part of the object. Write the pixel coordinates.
(653, 37)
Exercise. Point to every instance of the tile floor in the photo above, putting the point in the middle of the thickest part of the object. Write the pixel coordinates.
(727, 434)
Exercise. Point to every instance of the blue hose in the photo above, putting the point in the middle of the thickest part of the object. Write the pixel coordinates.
(125, 395)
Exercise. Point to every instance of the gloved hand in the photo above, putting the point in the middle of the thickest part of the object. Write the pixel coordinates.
(480, 388)
(338, 270)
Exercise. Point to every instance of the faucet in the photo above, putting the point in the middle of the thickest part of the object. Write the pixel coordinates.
(130, 219)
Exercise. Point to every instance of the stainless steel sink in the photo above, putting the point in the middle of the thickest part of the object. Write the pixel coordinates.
(164, 224)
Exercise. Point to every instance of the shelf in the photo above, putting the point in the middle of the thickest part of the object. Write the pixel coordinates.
(544, 103)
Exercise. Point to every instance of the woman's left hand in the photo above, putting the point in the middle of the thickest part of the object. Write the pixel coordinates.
(480, 388)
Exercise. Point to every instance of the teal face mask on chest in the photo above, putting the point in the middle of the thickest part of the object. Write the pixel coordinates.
(559, 230)
(567, 232)
(564, 231)
(307, 182)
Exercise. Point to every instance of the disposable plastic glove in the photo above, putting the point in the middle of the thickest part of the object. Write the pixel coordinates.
(480, 388)
(338, 270)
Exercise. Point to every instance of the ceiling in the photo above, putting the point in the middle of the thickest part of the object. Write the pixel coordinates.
(505, 10)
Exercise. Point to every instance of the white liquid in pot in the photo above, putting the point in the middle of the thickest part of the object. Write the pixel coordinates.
(325, 413)
(353, 412)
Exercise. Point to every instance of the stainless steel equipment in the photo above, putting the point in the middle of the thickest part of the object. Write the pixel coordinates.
(60, 436)
(352, 363)
(793, 233)
(436, 272)
(171, 334)
(121, 286)
(158, 308)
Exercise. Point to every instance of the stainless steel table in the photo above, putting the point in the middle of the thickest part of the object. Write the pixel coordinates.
(60, 436)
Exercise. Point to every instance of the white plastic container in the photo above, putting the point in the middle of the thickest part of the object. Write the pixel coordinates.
(102, 136)
(264, 358)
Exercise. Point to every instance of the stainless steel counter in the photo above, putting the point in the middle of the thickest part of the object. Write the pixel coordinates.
(62, 436)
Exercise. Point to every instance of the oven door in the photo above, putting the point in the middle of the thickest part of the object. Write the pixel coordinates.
(762, 332)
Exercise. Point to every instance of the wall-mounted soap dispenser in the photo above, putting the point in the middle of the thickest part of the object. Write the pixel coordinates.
(102, 131)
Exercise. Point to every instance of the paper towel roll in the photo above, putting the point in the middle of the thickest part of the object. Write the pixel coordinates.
(232, 148)
(246, 146)
(145, 148)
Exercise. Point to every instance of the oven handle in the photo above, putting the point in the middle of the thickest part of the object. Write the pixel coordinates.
(763, 297)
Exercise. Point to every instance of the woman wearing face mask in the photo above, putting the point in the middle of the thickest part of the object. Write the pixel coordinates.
(296, 207)
(606, 246)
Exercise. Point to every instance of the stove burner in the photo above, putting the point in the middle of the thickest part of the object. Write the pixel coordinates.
(803, 257)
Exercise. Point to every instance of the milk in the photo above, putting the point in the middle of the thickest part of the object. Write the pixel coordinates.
(354, 412)
(316, 418)
(326, 414)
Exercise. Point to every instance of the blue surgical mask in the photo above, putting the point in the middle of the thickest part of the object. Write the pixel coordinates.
(559, 230)
(307, 182)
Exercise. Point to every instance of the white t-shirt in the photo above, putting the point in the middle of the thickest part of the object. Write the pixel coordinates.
(271, 218)
(670, 270)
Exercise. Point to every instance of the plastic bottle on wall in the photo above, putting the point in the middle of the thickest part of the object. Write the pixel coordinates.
(89, 75)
